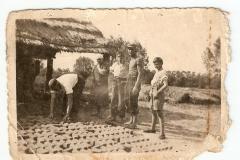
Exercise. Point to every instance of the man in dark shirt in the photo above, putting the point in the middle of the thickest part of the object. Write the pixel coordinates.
(133, 85)
(100, 81)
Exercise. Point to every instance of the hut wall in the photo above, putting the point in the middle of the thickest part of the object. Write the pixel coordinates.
(25, 74)
(28, 67)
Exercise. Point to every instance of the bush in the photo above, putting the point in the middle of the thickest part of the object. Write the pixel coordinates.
(191, 79)
(185, 98)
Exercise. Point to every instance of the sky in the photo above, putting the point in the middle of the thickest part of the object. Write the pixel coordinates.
(179, 37)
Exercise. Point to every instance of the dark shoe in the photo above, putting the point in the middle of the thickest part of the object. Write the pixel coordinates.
(66, 119)
(131, 126)
(95, 114)
(111, 119)
(110, 122)
(149, 131)
(162, 137)
(121, 114)
(121, 120)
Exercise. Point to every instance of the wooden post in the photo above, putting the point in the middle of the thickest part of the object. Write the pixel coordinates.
(49, 72)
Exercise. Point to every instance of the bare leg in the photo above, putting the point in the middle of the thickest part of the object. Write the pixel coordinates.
(134, 120)
(99, 111)
(114, 100)
(161, 122)
(134, 105)
(130, 121)
(154, 120)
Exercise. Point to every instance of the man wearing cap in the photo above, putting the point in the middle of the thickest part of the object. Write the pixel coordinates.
(100, 81)
(117, 106)
(133, 85)
(69, 85)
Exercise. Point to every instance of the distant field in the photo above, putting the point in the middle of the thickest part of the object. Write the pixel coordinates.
(186, 95)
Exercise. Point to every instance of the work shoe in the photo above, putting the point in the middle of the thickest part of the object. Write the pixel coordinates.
(149, 131)
(131, 126)
(96, 114)
(162, 137)
(110, 118)
(66, 119)
(128, 123)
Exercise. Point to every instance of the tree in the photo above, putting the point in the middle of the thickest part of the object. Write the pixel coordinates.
(119, 46)
(212, 58)
(212, 61)
(116, 46)
(82, 64)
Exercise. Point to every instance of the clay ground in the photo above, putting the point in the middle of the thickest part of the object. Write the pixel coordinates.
(186, 126)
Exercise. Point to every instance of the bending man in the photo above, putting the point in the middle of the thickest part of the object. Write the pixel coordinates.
(69, 85)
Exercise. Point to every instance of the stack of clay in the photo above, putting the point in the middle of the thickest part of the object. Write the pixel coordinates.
(83, 137)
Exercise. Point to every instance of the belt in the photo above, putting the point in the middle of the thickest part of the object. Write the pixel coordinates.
(119, 78)
(132, 77)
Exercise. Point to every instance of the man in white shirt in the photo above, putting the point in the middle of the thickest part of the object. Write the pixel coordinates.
(117, 105)
(69, 84)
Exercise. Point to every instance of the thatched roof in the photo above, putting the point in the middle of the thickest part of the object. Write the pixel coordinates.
(61, 34)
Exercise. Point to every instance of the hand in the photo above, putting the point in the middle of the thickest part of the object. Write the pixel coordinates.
(148, 98)
(51, 115)
(135, 90)
(155, 96)
(66, 118)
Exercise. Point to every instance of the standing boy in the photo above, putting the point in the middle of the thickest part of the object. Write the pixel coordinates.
(158, 85)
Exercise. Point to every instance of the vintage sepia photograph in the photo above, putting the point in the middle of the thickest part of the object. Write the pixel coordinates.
(110, 83)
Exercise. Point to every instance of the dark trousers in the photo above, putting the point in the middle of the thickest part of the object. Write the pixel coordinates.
(77, 92)
(131, 99)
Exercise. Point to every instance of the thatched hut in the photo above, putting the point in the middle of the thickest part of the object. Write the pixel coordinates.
(43, 38)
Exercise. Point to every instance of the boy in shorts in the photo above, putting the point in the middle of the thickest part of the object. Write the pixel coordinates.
(158, 85)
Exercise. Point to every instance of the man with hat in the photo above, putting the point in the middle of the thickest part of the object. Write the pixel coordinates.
(70, 86)
(100, 81)
(133, 85)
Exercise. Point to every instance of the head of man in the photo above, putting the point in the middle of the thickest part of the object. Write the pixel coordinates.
(87, 72)
(119, 58)
(54, 85)
(100, 59)
(132, 50)
(158, 62)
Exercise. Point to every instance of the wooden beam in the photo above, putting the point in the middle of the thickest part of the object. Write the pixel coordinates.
(49, 72)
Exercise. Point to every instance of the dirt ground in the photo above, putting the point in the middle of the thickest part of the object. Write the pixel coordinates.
(186, 126)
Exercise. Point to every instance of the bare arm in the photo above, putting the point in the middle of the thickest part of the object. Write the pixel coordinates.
(138, 82)
(165, 84)
(95, 76)
(52, 103)
(69, 105)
